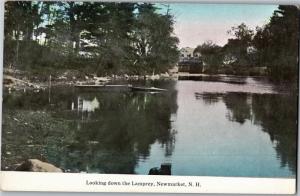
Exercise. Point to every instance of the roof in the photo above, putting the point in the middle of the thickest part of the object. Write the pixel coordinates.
(187, 49)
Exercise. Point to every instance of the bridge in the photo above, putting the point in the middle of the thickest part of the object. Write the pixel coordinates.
(190, 65)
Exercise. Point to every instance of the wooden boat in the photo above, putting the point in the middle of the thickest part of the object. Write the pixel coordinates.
(120, 87)
(103, 87)
(151, 89)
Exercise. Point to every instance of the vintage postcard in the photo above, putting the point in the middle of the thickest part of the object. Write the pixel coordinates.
(149, 97)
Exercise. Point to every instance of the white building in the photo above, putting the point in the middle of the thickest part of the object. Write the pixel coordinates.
(186, 52)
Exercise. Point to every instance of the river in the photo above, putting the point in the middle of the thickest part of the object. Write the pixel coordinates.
(203, 126)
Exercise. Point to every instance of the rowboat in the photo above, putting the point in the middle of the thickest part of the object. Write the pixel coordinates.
(103, 87)
(121, 87)
(151, 89)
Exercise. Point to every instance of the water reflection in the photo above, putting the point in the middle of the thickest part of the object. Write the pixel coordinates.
(215, 78)
(86, 105)
(213, 128)
(238, 105)
(108, 132)
(208, 98)
(276, 114)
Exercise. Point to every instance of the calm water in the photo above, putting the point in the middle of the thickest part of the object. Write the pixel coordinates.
(203, 126)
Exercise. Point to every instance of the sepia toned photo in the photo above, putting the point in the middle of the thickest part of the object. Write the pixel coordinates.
(178, 89)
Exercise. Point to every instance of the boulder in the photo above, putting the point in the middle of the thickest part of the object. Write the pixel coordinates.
(35, 165)
(165, 169)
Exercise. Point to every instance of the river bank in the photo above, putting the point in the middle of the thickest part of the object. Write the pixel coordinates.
(21, 80)
(16, 80)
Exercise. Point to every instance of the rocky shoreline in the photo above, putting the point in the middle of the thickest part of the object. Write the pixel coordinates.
(16, 80)
(35, 165)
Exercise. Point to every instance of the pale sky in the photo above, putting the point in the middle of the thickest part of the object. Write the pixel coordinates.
(197, 23)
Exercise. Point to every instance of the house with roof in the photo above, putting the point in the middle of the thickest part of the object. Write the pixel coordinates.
(187, 52)
(190, 61)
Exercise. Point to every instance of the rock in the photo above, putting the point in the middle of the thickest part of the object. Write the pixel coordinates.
(101, 79)
(7, 81)
(62, 78)
(153, 77)
(165, 169)
(173, 70)
(135, 77)
(154, 171)
(36, 165)
(165, 75)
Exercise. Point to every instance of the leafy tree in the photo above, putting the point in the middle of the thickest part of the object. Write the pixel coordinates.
(156, 46)
(238, 48)
(211, 55)
(277, 43)
(21, 19)
(101, 37)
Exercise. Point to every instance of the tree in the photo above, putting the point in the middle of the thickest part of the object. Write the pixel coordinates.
(238, 47)
(101, 37)
(107, 35)
(21, 20)
(277, 44)
(155, 44)
(211, 55)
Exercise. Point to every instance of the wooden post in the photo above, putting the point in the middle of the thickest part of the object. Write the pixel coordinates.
(49, 89)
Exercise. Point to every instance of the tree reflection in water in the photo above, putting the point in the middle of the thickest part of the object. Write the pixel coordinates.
(101, 132)
(275, 113)
(124, 127)
(239, 106)
(278, 117)
(113, 132)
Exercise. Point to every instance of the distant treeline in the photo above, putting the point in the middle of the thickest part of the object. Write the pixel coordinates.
(272, 49)
(137, 38)
(95, 37)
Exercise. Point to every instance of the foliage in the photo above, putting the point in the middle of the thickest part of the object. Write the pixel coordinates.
(273, 47)
(112, 37)
(238, 47)
(277, 44)
(110, 139)
(152, 51)
(211, 54)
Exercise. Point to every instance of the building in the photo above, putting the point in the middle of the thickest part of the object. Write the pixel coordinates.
(190, 61)
(187, 52)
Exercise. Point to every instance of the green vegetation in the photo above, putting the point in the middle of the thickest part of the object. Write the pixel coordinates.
(270, 50)
(136, 38)
(278, 44)
(110, 139)
(211, 54)
(94, 37)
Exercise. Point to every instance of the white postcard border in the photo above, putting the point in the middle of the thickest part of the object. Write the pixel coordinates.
(71, 182)
(82, 182)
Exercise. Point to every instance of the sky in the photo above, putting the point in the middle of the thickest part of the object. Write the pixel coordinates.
(197, 23)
